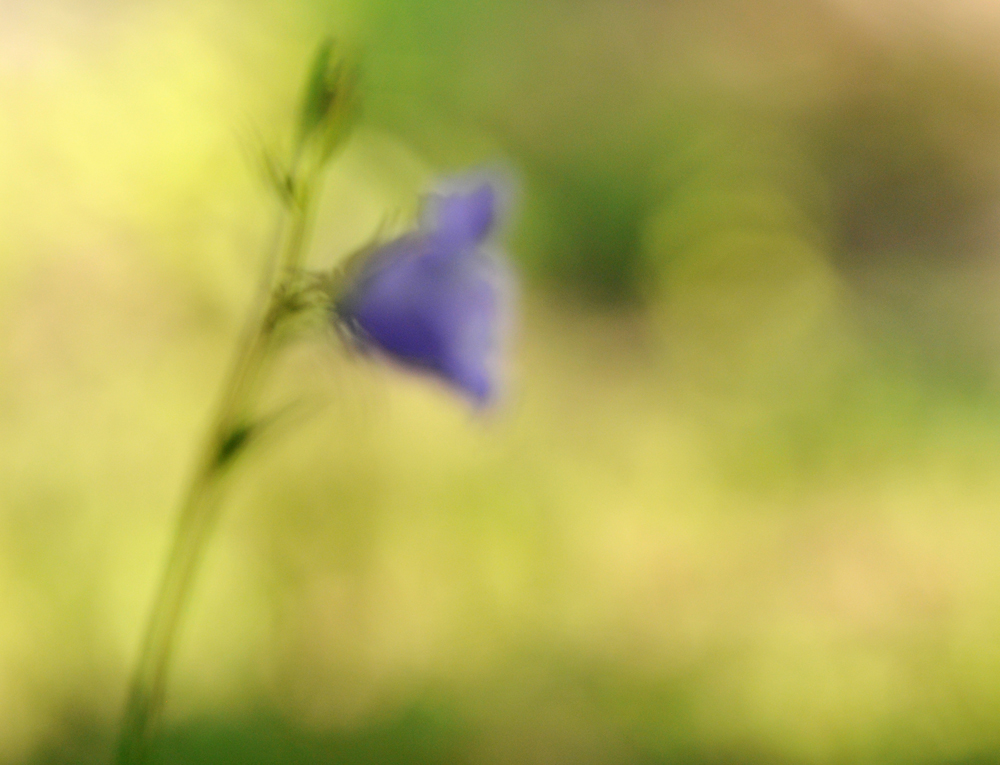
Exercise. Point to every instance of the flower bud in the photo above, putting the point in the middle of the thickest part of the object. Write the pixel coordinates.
(329, 102)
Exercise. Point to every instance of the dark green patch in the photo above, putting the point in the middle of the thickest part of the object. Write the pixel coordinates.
(233, 444)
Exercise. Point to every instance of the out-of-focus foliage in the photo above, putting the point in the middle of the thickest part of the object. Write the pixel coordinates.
(741, 504)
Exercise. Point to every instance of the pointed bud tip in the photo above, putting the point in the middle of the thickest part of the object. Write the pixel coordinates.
(328, 100)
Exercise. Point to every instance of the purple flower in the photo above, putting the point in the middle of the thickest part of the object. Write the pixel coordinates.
(437, 299)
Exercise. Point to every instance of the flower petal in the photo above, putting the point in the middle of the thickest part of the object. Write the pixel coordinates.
(437, 299)
(464, 217)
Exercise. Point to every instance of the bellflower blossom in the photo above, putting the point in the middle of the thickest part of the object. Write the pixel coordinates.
(437, 299)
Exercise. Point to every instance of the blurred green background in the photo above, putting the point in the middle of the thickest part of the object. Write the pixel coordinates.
(740, 504)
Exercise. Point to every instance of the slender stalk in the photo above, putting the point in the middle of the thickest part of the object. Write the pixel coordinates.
(229, 432)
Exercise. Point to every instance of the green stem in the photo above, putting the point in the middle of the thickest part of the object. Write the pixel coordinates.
(231, 428)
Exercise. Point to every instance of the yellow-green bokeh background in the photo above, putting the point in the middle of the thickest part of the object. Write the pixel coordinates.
(741, 503)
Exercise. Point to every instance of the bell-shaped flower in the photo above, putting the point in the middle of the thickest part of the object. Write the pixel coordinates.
(438, 299)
